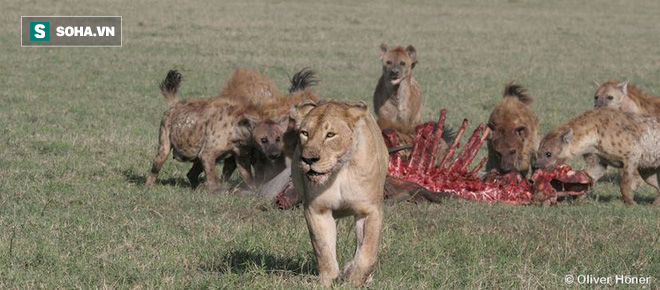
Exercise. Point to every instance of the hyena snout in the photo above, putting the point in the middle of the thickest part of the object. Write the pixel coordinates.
(395, 73)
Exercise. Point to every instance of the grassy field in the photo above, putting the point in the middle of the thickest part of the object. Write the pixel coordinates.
(79, 129)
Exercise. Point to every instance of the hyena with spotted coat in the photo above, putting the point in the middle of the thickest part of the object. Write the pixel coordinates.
(622, 139)
(202, 131)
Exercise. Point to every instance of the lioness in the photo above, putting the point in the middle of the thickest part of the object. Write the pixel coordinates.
(397, 97)
(340, 166)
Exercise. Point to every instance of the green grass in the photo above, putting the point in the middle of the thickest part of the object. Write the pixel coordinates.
(79, 129)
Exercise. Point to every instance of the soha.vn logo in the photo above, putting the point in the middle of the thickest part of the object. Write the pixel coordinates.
(39, 31)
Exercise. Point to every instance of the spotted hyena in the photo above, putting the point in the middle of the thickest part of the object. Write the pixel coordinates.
(622, 139)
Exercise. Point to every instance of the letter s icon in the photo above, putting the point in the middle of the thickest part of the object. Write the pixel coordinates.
(39, 29)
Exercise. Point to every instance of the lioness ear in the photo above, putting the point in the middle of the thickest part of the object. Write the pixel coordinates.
(567, 136)
(596, 83)
(412, 53)
(382, 50)
(357, 110)
(623, 87)
(299, 111)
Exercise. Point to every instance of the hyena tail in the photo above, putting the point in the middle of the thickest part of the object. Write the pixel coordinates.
(513, 90)
(448, 134)
(303, 79)
(169, 87)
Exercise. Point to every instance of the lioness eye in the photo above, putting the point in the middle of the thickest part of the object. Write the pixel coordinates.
(548, 154)
(277, 139)
(402, 63)
(304, 133)
(330, 135)
(610, 98)
(389, 62)
(264, 140)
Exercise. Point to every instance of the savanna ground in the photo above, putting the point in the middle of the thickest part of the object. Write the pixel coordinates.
(79, 129)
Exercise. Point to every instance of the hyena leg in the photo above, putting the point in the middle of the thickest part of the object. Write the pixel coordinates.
(164, 147)
(368, 230)
(228, 168)
(652, 177)
(208, 162)
(596, 166)
(193, 174)
(245, 168)
(323, 233)
(627, 180)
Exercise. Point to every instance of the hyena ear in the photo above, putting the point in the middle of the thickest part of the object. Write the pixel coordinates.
(596, 83)
(300, 110)
(623, 87)
(567, 136)
(412, 53)
(522, 132)
(283, 122)
(382, 50)
(357, 110)
(250, 120)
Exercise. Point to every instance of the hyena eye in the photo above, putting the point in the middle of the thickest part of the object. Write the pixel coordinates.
(610, 98)
(389, 62)
(512, 151)
(304, 133)
(402, 63)
(277, 139)
(264, 140)
(548, 154)
(330, 135)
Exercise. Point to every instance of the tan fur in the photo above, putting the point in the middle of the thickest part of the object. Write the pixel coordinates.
(621, 139)
(626, 97)
(248, 85)
(202, 131)
(514, 132)
(268, 119)
(340, 167)
(397, 97)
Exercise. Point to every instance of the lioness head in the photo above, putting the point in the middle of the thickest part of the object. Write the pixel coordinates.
(553, 149)
(268, 134)
(610, 94)
(398, 62)
(326, 136)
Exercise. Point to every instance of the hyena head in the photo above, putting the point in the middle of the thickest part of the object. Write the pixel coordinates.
(398, 62)
(268, 135)
(507, 143)
(610, 94)
(553, 149)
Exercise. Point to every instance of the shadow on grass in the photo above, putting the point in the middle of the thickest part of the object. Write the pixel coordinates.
(240, 262)
(642, 200)
(615, 179)
(140, 179)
